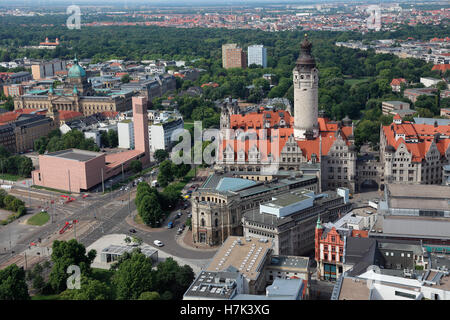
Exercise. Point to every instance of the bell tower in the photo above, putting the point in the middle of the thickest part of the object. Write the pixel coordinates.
(306, 91)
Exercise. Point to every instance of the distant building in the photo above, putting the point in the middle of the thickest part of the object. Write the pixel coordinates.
(13, 90)
(125, 131)
(396, 84)
(233, 56)
(257, 54)
(413, 94)
(445, 112)
(429, 82)
(392, 107)
(47, 69)
(19, 136)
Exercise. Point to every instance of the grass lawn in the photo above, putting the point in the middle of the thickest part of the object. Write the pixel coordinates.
(39, 219)
(352, 81)
(10, 177)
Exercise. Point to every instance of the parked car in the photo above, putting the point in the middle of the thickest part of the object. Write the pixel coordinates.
(179, 231)
(170, 225)
(132, 230)
(179, 214)
(158, 243)
(190, 215)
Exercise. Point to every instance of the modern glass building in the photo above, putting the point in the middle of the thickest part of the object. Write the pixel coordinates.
(257, 54)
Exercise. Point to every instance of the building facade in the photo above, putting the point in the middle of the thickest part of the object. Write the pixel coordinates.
(76, 94)
(220, 203)
(257, 54)
(233, 57)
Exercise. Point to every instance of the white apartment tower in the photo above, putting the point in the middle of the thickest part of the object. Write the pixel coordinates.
(306, 89)
(257, 54)
(125, 131)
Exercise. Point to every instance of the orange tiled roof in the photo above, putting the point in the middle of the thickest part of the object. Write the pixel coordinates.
(397, 81)
(423, 133)
(441, 67)
(276, 138)
(67, 114)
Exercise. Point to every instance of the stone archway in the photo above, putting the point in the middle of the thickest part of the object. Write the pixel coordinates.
(369, 185)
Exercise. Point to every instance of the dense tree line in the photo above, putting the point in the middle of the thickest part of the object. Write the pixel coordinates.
(15, 164)
(56, 141)
(11, 203)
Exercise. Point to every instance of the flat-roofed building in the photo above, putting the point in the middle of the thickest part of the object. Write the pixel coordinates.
(293, 233)
(47, 69)
(391, 107)
(215, 285)
(416, 212)
(126, 134)
(249, 256)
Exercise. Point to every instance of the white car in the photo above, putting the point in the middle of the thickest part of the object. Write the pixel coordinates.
(158, 243)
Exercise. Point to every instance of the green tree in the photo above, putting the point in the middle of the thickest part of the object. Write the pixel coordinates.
(153, 295)
(65, 254)
(150, 210)
(136, 166)
(166, 173)
(91, 289)
(161, 155)
(12, 284)
(133, 276)
(173, 278)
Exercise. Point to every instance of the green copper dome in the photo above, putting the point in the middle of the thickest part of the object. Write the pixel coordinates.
(76, 71)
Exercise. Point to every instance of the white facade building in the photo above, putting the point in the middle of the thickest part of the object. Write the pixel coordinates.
(257, 54)
(159, 135)
(126, 134)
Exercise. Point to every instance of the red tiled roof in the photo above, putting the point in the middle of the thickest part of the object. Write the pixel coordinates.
(423, 133)
(276, 138)
(397, 81)
(67, 114)
(441, 67)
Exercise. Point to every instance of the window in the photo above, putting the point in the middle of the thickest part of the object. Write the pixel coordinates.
(405, 295)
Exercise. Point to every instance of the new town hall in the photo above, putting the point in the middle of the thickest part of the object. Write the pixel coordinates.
(411, 153)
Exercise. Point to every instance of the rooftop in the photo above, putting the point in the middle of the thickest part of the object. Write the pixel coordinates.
(75, 154)
(119, 250)
(214, 285)
(290, 262)
(245, 254)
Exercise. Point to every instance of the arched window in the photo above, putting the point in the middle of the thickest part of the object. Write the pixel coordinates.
(216, 222)
(202, 223)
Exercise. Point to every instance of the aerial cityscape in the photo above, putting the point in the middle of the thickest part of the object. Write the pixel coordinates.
(227, 151)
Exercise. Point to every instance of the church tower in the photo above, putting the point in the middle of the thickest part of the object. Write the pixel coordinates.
(306, 94)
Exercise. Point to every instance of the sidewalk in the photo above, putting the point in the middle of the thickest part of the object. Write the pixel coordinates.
(185, 240)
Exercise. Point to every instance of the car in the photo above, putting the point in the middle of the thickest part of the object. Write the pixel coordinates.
(158, 243)
(190, 215)
(179, 231)
(132, 230)
(170, 225)
(177, 217)
(179, 213)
